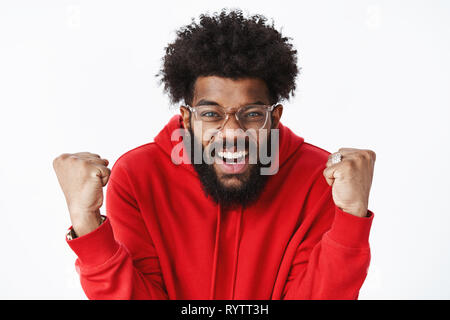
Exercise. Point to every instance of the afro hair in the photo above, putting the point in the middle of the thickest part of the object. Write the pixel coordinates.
(227, 44)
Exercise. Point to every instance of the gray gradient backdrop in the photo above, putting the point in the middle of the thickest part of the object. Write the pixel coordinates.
(79, 76)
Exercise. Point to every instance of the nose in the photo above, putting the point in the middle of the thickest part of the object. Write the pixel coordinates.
(230, 129)
(231, 123)
(233, 134)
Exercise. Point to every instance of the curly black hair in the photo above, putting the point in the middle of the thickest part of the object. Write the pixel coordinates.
(227, 44)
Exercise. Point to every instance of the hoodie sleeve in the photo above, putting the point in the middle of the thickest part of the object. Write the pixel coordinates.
(118, 260)
(332, 261)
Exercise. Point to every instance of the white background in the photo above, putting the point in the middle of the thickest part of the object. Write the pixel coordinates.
(79, 76)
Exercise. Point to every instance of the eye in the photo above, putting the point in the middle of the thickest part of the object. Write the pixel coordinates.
(210, 114)
(253, 114)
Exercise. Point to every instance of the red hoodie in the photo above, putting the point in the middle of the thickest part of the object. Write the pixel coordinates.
(164, 239)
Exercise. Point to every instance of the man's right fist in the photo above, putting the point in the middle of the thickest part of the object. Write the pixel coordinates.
(82, 177)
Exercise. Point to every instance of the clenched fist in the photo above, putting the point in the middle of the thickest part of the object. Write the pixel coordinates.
(82, 177)
(351, 180)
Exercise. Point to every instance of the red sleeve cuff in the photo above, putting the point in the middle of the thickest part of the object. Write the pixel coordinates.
(349, 230)
(96, 247)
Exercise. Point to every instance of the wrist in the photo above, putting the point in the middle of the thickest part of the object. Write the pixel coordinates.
(350, 230)
(358, 211)
(86, 222)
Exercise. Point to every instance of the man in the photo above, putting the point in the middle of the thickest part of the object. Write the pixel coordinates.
(224, 229)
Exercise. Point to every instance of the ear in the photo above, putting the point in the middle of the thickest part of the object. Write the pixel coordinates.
(185, 114)
(276, 116)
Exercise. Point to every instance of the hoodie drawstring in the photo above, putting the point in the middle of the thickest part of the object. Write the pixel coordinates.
(216, 249)
(236, 251)
(216, 253)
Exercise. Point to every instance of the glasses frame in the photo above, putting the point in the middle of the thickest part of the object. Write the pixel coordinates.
(270, 108)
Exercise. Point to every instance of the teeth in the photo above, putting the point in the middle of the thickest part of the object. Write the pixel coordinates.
(232, 155)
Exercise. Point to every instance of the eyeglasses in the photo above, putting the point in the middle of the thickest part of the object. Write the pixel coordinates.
(249, 117)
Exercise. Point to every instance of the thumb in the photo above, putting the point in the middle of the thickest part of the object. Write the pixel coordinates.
(103, 173)
(105, 178)
(328, 173)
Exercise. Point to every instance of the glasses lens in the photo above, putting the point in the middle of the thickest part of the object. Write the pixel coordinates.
(210, 114)
(253, 117)
(249, 117)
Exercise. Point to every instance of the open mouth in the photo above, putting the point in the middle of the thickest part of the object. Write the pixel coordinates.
(232, 162)
(232, 157)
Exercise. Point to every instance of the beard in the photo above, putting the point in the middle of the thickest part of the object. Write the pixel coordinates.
(250, 186)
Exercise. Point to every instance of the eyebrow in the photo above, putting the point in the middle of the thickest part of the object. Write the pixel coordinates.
(204, 102)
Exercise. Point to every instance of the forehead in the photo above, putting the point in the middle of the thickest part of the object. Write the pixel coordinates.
(230, 90)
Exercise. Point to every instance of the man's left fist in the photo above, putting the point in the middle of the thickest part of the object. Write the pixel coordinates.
(351, 180)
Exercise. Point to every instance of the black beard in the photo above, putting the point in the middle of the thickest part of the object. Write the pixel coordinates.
(250, 189)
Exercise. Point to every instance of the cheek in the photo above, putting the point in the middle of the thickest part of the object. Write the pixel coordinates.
(205, 136)
(261, 141)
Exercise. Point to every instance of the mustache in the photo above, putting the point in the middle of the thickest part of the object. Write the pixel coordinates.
(245, 144)
(234, 145)
(252, 184)
(260, 150)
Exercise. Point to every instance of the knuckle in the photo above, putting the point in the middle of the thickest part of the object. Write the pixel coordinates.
(78, 154)
(366, 154)
(361, 158)
(73, 159)
(348, 165)
(85, 165)
(361, 155)
(60, 157)
(59, 160)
